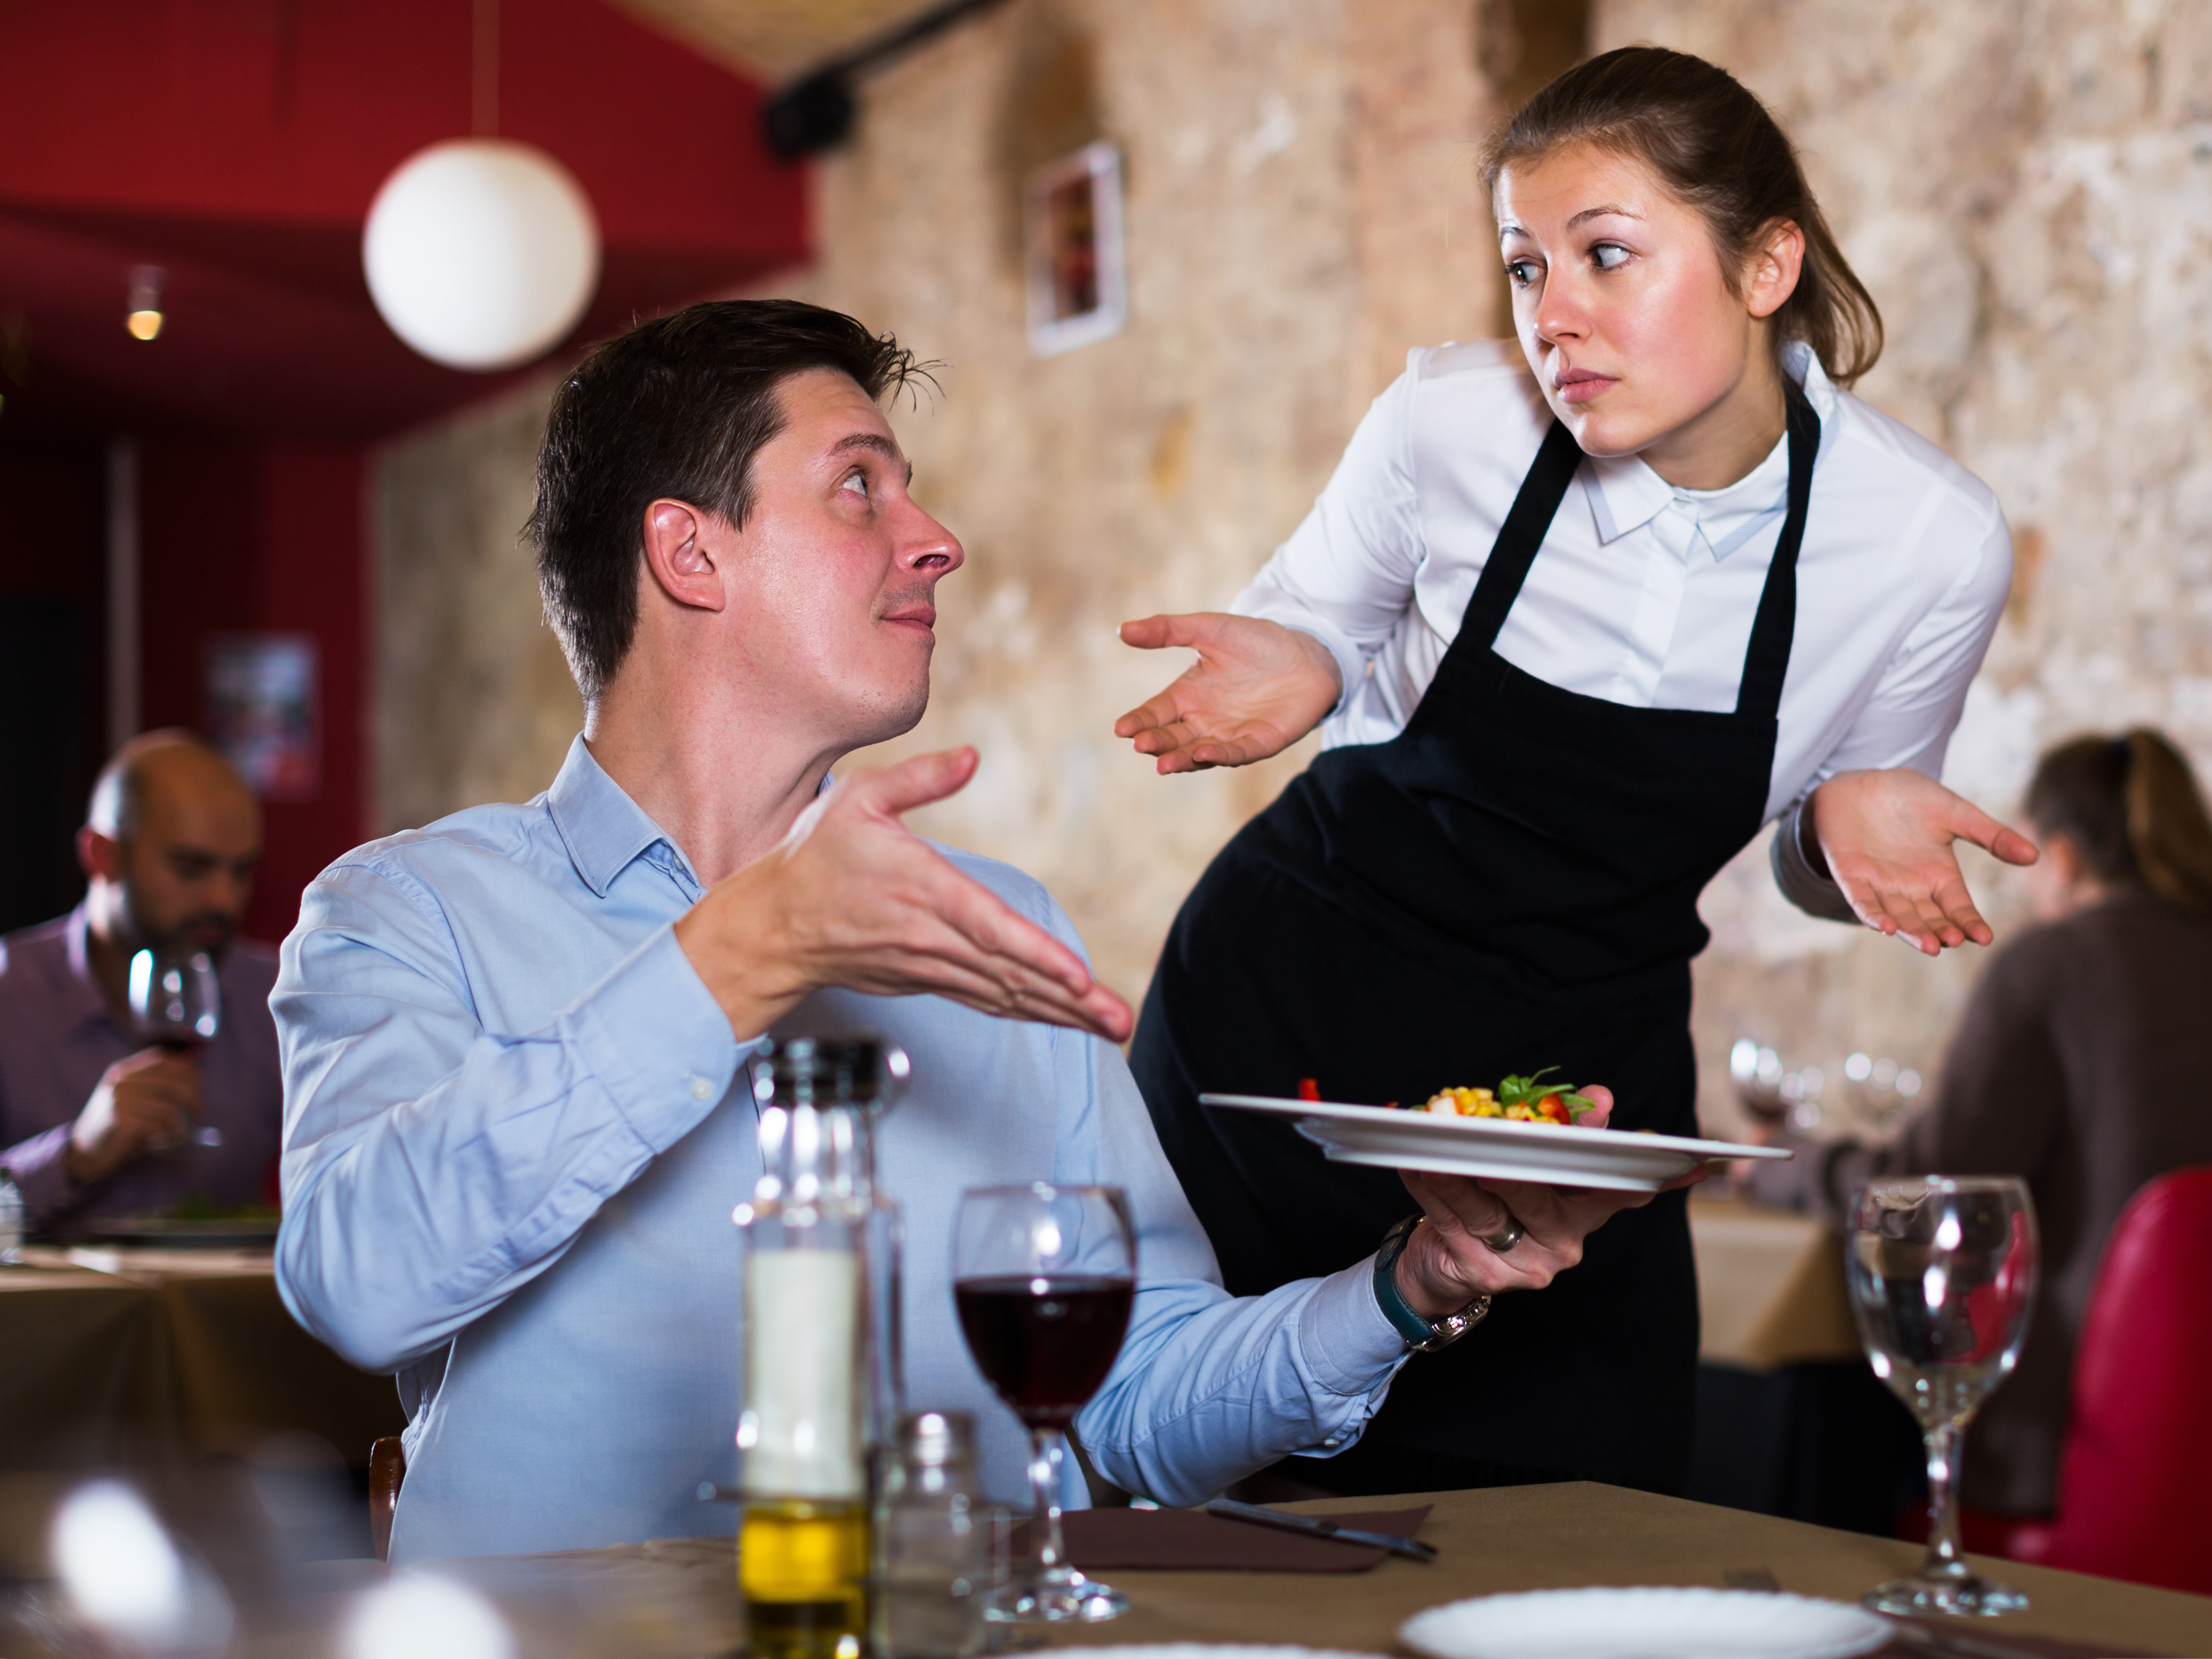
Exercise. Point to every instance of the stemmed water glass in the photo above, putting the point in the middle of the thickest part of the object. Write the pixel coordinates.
(1044, 1277)
(1942, 1277)
(177, 1001)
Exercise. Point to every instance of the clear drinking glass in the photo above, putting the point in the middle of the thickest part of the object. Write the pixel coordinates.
(1942, 1277)
(177, 1002)
(1044, 1277)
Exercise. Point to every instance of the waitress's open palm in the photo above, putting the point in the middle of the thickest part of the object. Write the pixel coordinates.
(1257, 688)
(1888, 839)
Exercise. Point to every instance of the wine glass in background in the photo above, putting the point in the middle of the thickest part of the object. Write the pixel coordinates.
(1044, 1277)
(1942, 1277)
(177, 1002)
(1758, 1070)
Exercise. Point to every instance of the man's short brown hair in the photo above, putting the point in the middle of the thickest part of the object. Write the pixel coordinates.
(676, 409)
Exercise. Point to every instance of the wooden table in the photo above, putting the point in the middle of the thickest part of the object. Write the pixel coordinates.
(144, 1360)
(679, 1597)
(1771, 1286)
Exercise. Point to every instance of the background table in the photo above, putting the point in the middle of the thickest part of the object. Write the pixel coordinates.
(1771, 1287)
(167, 1357)
(1791, 1421)
(679, 1597)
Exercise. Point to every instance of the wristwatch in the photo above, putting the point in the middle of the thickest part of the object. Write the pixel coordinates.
(1422, 1335)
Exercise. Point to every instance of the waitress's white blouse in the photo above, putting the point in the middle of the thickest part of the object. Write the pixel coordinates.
(1643, 594)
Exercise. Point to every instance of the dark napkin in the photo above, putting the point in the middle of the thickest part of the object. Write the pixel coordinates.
(1191, 1540)
(1989, 1634)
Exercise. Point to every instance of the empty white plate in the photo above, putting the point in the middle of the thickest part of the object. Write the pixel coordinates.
(1210, 1651)
(1644, 1623)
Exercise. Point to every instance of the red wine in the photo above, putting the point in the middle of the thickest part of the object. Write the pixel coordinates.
(1045, 1343)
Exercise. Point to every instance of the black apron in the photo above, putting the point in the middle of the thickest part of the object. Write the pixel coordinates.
(1510, 882)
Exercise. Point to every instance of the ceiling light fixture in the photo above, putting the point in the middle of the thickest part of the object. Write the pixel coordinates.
(143, 314)
(481, 253)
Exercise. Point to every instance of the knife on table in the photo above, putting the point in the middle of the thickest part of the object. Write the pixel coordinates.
(1320, 1526)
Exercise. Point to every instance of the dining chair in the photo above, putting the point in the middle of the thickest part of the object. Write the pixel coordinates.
(387, 1469)
(2135, 1476)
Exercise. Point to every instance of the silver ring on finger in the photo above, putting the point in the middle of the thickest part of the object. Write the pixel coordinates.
(1507, 1237)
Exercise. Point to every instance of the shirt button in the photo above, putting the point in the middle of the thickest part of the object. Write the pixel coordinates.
(701, 1089)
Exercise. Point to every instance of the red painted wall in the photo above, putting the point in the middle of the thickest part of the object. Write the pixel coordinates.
(252, 538)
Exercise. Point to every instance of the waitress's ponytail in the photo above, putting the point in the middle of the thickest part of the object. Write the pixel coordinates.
(2131, 807)
(1717, 149)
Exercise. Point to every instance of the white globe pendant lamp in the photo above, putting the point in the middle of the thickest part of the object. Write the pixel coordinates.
(481, 253)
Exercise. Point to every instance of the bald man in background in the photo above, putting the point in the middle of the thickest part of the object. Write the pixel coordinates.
(95, 1122)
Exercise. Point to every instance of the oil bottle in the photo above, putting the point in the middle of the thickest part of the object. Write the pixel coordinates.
(820, 1330)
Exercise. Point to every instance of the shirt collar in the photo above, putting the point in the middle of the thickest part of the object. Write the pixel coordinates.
(604, 831)
(1625, 494)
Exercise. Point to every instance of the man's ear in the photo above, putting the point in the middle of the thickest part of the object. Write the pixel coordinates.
(683, 549)
(101, 857)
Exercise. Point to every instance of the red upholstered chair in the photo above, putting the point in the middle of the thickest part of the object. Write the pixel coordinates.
(2135, 1478)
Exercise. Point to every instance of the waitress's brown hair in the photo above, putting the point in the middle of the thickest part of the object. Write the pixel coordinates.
(1717, 148)
(2131, 807)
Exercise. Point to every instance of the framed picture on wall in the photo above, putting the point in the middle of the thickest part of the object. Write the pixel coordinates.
(1077, 285)
(260, 709)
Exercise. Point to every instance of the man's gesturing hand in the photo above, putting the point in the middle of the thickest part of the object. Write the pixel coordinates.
(852, 898)
(1887, 837)
(1446, 1265)
(1257, 688)
(143, 1103)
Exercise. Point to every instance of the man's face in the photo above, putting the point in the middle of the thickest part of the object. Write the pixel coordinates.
(832, 584)
(187, 875)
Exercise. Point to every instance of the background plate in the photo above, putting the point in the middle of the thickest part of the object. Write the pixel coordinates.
(236, 1234)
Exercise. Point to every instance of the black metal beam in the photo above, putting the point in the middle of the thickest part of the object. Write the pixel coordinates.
(814, 111)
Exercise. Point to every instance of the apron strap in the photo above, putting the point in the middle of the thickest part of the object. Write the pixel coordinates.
(1767, 660)
(1520, 536)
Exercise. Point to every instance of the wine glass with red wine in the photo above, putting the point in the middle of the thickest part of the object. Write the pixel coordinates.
(1044, 1277)
(176, 1001)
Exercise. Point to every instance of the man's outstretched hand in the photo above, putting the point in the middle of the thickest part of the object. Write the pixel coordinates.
(1257, 688)
(1446, 1265)
(1887, 838)
(852, 898)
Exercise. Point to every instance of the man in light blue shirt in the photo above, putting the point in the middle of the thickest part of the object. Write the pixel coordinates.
(513, 1041)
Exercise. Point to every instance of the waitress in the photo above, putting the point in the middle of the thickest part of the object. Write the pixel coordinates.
(1580, 619)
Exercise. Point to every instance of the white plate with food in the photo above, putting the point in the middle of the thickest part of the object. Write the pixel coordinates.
(1498, 1148)
(1645, 1624)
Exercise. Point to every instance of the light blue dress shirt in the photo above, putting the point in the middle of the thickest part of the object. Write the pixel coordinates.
(512, 1147)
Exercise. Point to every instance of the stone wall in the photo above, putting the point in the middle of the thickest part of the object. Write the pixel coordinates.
(2027, 185)
(2026, 188)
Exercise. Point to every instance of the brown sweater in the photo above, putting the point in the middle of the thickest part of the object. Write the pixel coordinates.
(2082, 1062)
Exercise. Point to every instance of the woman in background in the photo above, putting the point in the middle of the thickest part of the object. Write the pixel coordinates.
(2082, 1063)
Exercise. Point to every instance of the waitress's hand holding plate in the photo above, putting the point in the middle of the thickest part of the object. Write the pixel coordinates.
(1887, 838)
(1257, 688)
(1448, 1262)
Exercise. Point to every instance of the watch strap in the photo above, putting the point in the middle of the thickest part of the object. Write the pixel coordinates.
(1421, 1335)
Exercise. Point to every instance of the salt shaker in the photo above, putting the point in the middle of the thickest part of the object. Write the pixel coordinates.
(932, 1544)
(11, 1221)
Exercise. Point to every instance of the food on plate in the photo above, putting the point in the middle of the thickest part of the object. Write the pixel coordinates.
(1525, 1099)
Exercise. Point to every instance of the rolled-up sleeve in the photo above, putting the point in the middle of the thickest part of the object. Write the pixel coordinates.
(1916, 703)
(432, 1166)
